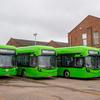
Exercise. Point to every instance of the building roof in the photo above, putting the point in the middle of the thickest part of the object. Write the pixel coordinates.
(22, 42)
(88, 17)
(61, 44)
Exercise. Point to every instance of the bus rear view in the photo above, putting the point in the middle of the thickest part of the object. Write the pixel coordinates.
(7, 60)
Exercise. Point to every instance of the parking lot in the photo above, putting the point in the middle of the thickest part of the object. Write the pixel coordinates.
(49, 89)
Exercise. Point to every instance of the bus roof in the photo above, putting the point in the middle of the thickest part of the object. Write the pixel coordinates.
(7, 47)
(33, 49)
(82, 50)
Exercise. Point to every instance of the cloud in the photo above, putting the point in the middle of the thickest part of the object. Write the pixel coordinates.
(51, 19)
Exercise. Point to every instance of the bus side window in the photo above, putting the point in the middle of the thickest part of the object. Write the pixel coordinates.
(79, 62)
(64, 61)
(70, 61)
(59, 61)
(23, 60)
(98, 61)
(67, 61)
(14, 61)
(33, 61)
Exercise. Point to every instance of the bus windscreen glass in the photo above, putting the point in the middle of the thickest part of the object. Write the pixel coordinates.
(46, 61)
(6, 61)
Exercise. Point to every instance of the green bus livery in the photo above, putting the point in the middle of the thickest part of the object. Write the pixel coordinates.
(7, 60)
(36, 61)
(78, 62)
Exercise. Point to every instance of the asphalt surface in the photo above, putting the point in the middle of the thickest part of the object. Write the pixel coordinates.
(16, 88)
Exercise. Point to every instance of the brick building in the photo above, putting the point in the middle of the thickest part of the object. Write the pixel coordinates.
(86, 33)
(21, 42)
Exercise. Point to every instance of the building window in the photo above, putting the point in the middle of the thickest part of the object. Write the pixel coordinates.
(84, 42)
(84, 36)
(84, 39)
(95, 38)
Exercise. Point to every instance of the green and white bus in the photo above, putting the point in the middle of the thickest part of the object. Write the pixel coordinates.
(7, 60)
(78, 62)
(36, 61)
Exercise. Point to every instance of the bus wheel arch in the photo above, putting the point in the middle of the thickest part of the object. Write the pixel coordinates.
(66, 74)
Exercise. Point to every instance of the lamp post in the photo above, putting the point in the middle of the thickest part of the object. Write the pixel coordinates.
(35, 35)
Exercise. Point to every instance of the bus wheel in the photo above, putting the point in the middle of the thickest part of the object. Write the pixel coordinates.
(23, 73)
(66, 74)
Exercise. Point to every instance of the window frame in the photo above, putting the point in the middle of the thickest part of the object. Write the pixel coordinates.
(96, 38)
(73, 65)
(85, 39)
(84, 36)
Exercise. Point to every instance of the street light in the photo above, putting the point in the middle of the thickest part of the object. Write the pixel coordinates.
(35, 35)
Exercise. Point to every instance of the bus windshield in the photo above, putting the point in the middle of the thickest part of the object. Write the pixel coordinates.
(92, 62)
(46, 61)
(6, 61)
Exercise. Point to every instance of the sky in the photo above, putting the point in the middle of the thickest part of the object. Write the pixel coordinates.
(50, 19)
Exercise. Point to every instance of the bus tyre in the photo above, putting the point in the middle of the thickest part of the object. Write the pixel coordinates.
(66, 74)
